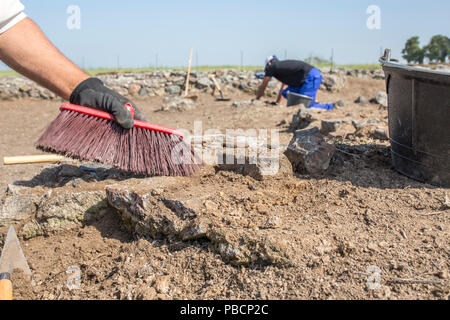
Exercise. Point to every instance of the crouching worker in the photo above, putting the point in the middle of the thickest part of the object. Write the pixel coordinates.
(295, 76)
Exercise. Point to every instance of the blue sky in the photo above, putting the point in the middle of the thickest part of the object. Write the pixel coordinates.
(131, 33)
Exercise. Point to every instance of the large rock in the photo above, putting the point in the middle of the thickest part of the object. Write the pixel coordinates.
(309, 152)
(43, 212)
(329, 126)
(165, 207)
(378, 74)
(154, 83)
(361, 100)
(303, 118)
(133, 89)
(374, 131)
(68, 210)
(272, 163)
(204, 83)
(177, 104)
(364, 123)
(16, 208)
(173, 90)
(334, 82)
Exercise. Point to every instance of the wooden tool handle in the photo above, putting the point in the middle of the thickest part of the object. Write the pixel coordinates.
(32, 159)
(6, 287)
(215, 82)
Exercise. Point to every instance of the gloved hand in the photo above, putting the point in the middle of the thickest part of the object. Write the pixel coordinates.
(92, 93)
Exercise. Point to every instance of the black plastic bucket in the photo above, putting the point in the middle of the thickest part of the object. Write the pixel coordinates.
(295, 99)
(419, 122)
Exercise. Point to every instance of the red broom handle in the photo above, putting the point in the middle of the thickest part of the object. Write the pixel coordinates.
(108, 116)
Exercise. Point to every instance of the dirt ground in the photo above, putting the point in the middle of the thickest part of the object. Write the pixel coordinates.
(359, 218)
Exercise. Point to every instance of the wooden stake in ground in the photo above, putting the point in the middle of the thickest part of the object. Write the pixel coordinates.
(186, 91)
(217, 86)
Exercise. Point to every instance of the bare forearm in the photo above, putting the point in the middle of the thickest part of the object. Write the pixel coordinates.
(262, 88)
(283, 87)
(27, 50)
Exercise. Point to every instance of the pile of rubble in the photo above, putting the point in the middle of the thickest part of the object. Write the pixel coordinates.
(190, 208)
(164, 83)
(70, 195)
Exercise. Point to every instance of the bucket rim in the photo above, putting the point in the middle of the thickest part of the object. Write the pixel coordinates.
(299, 95)
(411, 68)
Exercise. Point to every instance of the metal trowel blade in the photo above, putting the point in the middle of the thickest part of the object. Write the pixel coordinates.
(12, 255)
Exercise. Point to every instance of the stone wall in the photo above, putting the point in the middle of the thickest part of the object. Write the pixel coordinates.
(163, 83)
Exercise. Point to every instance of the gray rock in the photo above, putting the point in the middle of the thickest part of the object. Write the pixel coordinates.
(240, 104)
(154, 83)
(177, 104)
(173, 90)
(272, 84)
(25, 88)
(364, 123)
(329, 126)
(273, 223)
(303, 118)
(34, 93)
(381, 99)
(52, 211)
(134, 89)
(178, 73)
(149, 212)
(378, 74)
(340, 104)
(194, 231)
(46, 94)
(69, 171)
(243, 86)
(143, 92)
(309, 152)
(94, 167)
(352, 73)
(259, 168)
(334, 83)
(17, 208)
(181, 81)
(361, 100)
(204, 83)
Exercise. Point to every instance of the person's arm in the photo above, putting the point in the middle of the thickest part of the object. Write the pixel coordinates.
(27, 50)
(280, 94)
(262, 88)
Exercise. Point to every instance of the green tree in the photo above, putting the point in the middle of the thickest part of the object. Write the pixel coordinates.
(438, 49)
(412, 51)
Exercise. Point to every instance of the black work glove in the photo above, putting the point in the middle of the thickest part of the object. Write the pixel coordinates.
(92, 93)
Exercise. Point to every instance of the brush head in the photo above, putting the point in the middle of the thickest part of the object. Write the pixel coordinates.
(92, 135)
(108, 116)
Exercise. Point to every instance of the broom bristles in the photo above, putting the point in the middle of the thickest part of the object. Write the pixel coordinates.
(142, 151)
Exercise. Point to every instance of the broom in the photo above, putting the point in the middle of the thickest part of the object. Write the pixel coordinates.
(89, 134)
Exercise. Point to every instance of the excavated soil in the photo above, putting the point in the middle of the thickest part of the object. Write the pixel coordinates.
(340, 230)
